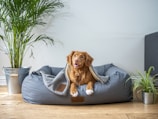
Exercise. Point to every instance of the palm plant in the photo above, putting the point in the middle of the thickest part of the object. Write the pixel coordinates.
(17, 20)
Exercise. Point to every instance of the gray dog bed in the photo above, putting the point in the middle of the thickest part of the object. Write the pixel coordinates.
(50, 85)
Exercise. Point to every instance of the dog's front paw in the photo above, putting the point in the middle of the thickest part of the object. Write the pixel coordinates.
(74, 94)
(89, 92)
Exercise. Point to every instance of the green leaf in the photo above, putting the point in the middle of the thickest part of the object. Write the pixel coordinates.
(18, 18)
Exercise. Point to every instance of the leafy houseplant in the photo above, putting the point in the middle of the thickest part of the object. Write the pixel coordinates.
(145, 83)
(17, 20)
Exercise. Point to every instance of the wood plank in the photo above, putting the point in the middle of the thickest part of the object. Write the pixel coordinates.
(13, 107)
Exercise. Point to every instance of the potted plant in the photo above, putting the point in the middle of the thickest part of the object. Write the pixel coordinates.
(17, 20)
(145, 83)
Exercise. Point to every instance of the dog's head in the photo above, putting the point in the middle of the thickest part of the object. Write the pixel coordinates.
(79, 59)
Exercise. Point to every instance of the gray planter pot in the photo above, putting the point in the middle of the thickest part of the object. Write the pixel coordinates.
(148, 98)
(14, 78)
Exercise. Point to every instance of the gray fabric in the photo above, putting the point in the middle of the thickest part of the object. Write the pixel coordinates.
(113, 91)
(102, 78)
(54, 82)
(22, 73)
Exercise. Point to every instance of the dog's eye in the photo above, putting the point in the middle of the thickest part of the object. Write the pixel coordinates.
(75, 55)
(82, 57)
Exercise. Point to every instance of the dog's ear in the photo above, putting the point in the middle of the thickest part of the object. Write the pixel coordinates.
(89, 59)
(69, 58)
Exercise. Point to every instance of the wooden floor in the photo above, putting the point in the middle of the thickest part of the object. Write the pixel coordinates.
(13, 107)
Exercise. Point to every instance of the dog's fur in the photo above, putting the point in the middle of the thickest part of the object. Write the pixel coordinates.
(79, 73)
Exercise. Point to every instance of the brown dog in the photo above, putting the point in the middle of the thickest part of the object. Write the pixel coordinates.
(79, 73)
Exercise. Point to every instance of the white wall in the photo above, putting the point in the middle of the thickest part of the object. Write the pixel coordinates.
(111, 31)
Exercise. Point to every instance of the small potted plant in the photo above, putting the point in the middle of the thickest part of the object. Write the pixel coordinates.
(17, 20)
(144, 83)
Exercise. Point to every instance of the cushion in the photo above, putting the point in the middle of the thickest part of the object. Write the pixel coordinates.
(22, 73)
(115, 90)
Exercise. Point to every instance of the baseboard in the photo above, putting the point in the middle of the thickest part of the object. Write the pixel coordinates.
(2, 81)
